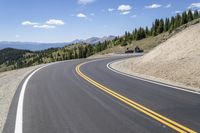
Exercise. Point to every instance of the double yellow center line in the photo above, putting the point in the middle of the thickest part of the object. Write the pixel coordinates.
(170, 123)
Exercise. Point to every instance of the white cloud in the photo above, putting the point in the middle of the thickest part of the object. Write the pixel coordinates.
(81, 15)
(111, 9)
(177, 12)
(44, 26)
(124, 8)
(133, 16)
(153, 6)
(85, 2)
(125, 13)
(55, 22)
(168, 6)
(29, 23)
(194, 5)
(50, 24)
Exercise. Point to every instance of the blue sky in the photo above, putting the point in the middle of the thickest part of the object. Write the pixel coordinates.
(66, 20)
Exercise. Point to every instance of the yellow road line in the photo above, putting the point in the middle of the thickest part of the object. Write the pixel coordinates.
(170, 123)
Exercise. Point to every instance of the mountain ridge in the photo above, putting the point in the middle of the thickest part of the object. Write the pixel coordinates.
(36, 46)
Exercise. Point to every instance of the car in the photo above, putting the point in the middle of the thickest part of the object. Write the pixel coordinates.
(129, 51)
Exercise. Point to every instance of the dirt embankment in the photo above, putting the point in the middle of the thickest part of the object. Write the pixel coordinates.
(175, 61)
(9, 82)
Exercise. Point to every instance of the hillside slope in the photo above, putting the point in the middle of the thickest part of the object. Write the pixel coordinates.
(176, 60)
(10, 54)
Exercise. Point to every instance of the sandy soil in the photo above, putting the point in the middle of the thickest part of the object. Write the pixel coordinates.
(9, 82)
(177, 60)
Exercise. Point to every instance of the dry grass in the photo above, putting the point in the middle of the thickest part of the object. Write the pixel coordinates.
(146, 44)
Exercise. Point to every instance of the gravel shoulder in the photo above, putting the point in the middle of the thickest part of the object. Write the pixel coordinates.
(9, 82)
(183, 83)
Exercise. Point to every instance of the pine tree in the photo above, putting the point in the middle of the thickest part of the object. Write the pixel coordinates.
(155, 27)
(135, 34)
(75, 53)
(80, 50)
(190, 16)
(196, 14)
(70, 54)
(184, 19)
(177, 22)
(90, 50)
(140, 34)
(167, 24)
(85, 51)
(126, 34)
(160, 28)
(147, 31)
(153, 30)
(172, 23)
(99, 48)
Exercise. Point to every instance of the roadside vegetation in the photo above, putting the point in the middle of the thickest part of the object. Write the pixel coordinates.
(145, 38)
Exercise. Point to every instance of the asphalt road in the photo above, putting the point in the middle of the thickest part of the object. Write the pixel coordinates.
(58, 100)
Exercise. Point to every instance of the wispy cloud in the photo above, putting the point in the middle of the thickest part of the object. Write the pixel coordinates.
(124, 9)
(194, 5)
(153, 6)
(111, 9)
(85, 2)
(177, 12)
(55, 22)
(124, 13)
(168, 6)
(81, 15)
(133, 16)
(26, 23)
(49, 24)
(44, 26)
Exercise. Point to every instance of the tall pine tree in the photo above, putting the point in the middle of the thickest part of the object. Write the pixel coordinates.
(167, 24)
(184, 19)
(196, 14)
(190, 16)
(161, 26)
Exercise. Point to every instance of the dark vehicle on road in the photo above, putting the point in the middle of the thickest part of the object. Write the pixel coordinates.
(138, 50)
(129, 51)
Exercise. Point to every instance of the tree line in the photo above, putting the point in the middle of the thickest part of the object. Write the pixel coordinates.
(160, 25)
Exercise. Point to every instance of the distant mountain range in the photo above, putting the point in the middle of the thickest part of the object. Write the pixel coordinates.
(34, 46)
(94, 40)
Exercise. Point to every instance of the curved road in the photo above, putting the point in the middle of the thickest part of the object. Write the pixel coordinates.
(58, 99)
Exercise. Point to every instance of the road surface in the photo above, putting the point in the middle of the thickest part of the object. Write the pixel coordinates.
(89, 98)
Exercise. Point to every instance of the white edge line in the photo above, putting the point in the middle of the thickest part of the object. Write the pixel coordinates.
(147, 80)
(19, 113)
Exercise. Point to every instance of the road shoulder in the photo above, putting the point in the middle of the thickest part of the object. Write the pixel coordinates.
(117, 66)
(9, 82)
